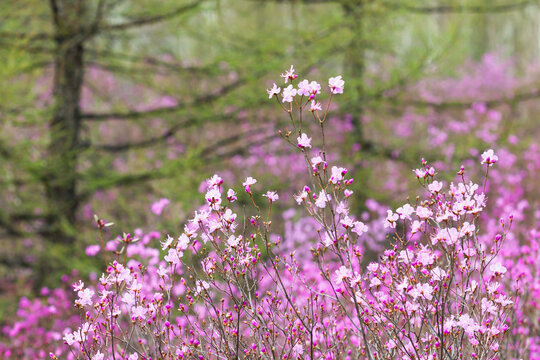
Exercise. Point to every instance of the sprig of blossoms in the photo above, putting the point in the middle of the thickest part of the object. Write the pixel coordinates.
(434, 293)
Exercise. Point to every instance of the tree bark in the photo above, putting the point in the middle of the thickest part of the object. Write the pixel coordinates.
(355, 62)
(65, 125)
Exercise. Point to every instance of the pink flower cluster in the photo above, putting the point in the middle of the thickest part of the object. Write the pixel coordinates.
(226, 288)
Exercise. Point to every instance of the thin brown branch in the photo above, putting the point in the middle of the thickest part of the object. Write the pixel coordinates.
(215, 147)
(516, 99)
(119, 180)
(150, 19)
(437, 9)
(150, 61)
(141, 144)
(474, 9)
(25, 36)
(208, 98)
(55, 12)
(169, 133)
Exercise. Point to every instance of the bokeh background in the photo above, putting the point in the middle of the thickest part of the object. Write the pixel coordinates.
(109, 106)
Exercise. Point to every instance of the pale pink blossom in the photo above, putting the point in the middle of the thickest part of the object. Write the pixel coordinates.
(497, 269)
(183, 242)
(272, 196)
(214, 182)
(275, 90)
(288, 94)
(304, 141)
(337, 174)
(247, 184)
(322, 199)
(359, 228)
(423, 212)
(343, 273)
(420, 173)
(405, 211)
(489, 157)
(336, 85)
(391, 219)
(289, 75)
(301, 197)
(167, 242)
(435, 186)
(138, 312)
(315, 105)
(98, 356)
(374, 282)
(231, 195)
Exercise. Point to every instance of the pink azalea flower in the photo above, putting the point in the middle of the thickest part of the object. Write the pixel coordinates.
(158, 206)
(213, 196)
(272, 196)
(337, 174)
(301, 197)
(167, 242)
(138, 312)
(289, 75)
(347, 222)
(98, 356)
(435, 186)
(420, 173)
(288, 94)
(343, 273)
(336, 85)
(375, 282)
(315, 105)
(359, 228)
(423, 212)
(489, 157)
(214, 182)
(391, 219)
(304, 141)
(316, 161)
(405, 211)
(231, 195)
(183, 242)
(247, 184)
(85, 297)
(303, 88)
(497, 269)
(322, 199)
(273, 91)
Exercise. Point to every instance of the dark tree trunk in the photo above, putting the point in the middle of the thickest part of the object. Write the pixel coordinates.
(355, 62)
(64, 147)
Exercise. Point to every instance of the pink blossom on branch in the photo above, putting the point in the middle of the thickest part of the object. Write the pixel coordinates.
(440, 289)
(247, 184)
(275, 90)
(489, 157)
(336, 85)
(289, 75)
(288, 94)
(304, 141)
(272, 196)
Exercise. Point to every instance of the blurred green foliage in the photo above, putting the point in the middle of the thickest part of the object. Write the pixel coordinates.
(181, 74)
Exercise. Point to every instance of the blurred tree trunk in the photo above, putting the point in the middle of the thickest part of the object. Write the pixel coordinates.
(355, 62)
(65, 125)
(480, 35)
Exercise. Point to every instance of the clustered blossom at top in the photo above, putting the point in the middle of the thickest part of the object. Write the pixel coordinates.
(305, 88)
